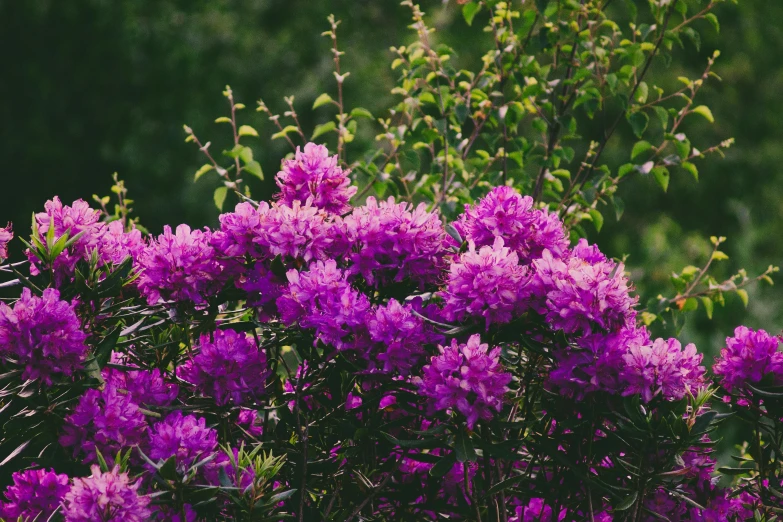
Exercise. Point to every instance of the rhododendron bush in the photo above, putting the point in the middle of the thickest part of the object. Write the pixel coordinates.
(431, 343)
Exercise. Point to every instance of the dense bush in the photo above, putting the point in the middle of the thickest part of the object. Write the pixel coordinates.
(401, 334)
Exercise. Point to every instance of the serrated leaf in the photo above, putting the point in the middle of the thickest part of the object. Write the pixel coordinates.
(322, 100)
(323, 129)
(361, 112)
(743, 294)
(203, 170)
(598, 219)
(219, 197)
(469, 11)
(704, 111)
(247, 130)
(640, 148)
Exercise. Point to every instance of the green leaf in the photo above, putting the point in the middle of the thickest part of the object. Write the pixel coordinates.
(169, 469)
(619, 207)
(639, 121)
(219, 197)
(361, 112)
(283, 133)
(743, 294)
(690, 305)
(598, 219)
(203, 170)
(711, 18)
(708, 306)
(661, 175)
(463, 447)
(223, 119)
(704, 111)
(690, 167)
(323, 129)
(443, 466)
(663, 115)
(719, 256)
(322, 100)
(640, 148)
(14, 453)
(734, 471)
(470, 10)
(648, 318)
(627, 502)
(247, 130)
(254, 168)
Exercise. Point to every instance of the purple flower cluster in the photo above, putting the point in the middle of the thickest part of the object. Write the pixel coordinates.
(585, 292)
(467, 378)
(186, 438)
(312, 173)
(323, 299)
(116, 245)
(487, 283)
(143, 386)
(238, 231)
(106, 420)
(229, 368)
(401, 336)
(43, 335)
(105, 497)
(178, 267)
(6, 235)
(34, 495)
(662, 368)
(749, 357)
(393, 242)
(506, 214)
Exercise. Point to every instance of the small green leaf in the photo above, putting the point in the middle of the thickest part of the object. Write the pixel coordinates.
(648, 318)
(598, 219)
(247, 130)
(361, 112)
(219, 197)
(639, 121)
(743, 294)
(690, 305)
(704, 111)
(690, 167)
(719, 256)
(283, 133)
(322, 100)
(711, 18)
(619, 207)
(708, 306)
(469, 11)
(661, 175)
(640, 148)
(663, 115)
(323, 129)
(254, 168)
(203, 170)
(223, 119)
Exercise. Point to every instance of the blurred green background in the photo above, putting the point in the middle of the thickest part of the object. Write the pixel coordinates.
(91, 87)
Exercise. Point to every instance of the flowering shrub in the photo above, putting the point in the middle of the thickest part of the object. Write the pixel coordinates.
(335, 355)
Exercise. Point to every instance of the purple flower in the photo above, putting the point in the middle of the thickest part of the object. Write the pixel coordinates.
(584, 292)
(6, 235)
(401, 336)
(43, 335)
(506, 214)
(143, 386)
(76, 219)
(117, 245)
(489, 283)
(595, 363)
(185, 437)
(300, 232)
(229, 368)
(34, 495)
(178, 267)
(662, 368)
(238, 230)
(537, 510)
(314, 174)
(251, 422)
(106, 420)
(263, 288)
(393, 242)
(466, 378)
(105, 497)
(322, 299)
(748, 357)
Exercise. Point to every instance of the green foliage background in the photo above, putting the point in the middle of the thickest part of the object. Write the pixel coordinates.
(96, 86)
